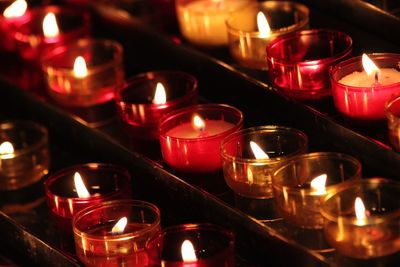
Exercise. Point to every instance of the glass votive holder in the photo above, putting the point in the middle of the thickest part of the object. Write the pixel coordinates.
(299, 62)
(202, 22)
(362, 218)
(192, 245)
(393, 121)
(24, 154)
(248, 40)
(365, 102)
(36, 35)
(101, 182)
(85, 72)
(301, 183)
(115, 233)
(143, 99)
(190, 138)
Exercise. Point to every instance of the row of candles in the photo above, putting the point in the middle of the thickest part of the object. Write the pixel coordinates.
(204, 138)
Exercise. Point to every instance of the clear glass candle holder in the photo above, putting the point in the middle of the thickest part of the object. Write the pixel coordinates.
(299, 63)
(192, 245)
(192, 149)
(99, 242)
(296, 200)
(31, 43)
(363, 103)
(24, 154)
(139, 107)
(393, 121)
(247, 44)
(375, 231)
(103, 182)
(202, 22)
(104, 72)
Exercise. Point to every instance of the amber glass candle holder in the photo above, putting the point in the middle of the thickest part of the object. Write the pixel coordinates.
(393, 121)
(247, 44)
(139, 107)
(31, 42)
(104, 72)
(24, 154)
(192, 245)
(99, 242)
(299, 63)
(103, 182)
(370, 232)
(296, 200)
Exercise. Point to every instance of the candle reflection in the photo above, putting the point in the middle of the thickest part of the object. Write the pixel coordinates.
(50, 27)
(16, 9)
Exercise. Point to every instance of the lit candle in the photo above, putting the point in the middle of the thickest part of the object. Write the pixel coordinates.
(114, 233)
(191, 144)
(202, 22)
(362, 86)
(145, 98)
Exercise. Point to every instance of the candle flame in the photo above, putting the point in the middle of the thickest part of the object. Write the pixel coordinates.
(263, 25)
(6, 148)
(80, 186)
(80, 69)
(160, 96)
(368, 65)
(257, 151)
(187, 251)
(318, 183)
(50, 27)
(16, 9)
(119, 227)
(199, 123)
(361, 213)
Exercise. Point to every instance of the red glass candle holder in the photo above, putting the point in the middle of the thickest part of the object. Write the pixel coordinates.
(247, 44)
(103, 181)
(299, 63)
(296, 200)
(105, 71)
(193, 150)
(363, 103)
(135, 97)
(96, 243)
(30, 40)
(211, 246)
(24, 154)
(393, 121)
(374, 232)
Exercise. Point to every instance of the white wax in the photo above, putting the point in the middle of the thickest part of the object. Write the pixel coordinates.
(213, 127)
(361, 79)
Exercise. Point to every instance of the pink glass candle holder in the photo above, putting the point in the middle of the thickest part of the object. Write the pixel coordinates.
(103, 182)
(31, 41)
(298, 189)
(194, 245)
(101, 71)
(248, 39)
(361, 218)
(393, 121)
(364, 103)
(141, 105)
(195, 149)
(299, 63)
(24, 154)
(101, 240)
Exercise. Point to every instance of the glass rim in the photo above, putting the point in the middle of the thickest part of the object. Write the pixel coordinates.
(114, 203)
(183, 3)
(265, 128)
(389, 114)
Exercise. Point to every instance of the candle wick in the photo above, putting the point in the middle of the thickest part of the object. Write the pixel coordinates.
(376, 77)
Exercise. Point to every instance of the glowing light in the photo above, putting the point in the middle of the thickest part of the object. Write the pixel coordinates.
(361, 213)
(263, 25)
(81, 189)
(50, 27)
(16, 9)
(187, 251)
(119, 227)
(6, 150)
(199, 123)
(160, 97)
(368, 65)
(257, 151)
(318, 184)
(80, 69)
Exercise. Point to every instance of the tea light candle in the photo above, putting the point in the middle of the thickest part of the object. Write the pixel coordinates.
(300, 185)
(356, 92)
(47, 27)
(85, 72)
(194, 245)
(190, 138)
(299, 62)
(24, 154)
(114, 233)
(250, 30)
(72, 189)
(202, 22)
(361, 218)
(143, 99)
